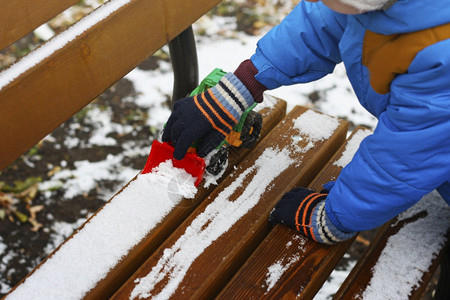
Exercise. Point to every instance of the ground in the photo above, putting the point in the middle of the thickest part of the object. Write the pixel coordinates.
(50, 191)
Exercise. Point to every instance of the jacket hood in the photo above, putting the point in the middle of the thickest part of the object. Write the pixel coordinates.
(407, 16)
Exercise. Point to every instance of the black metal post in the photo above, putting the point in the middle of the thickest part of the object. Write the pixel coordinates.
(183, 55)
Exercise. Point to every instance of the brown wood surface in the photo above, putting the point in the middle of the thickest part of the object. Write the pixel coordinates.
(272, 115)
(359, 278)
(309, 263)
(19, 17)
(46, 95)
(218, 262)
(130, 263)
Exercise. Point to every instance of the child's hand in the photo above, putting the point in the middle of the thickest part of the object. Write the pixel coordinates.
(295, 209)
(304, 210)
(208, 117)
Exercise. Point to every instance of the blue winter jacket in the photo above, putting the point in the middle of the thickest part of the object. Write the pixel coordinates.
(403, 82)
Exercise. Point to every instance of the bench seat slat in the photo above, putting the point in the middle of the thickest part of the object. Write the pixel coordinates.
(289, 264)
(272, 115)
(272, 112)
(232, 233)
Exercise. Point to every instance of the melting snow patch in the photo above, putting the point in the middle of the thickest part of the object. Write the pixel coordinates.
(274, 274)
(425, 235)
(101, 243)
(217, 219)
(276, 270)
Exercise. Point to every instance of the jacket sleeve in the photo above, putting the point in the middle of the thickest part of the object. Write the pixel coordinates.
(302, 48)
(408, 154)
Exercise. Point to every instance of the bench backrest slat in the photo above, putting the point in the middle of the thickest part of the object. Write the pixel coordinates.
(40, 92)
(19, 17)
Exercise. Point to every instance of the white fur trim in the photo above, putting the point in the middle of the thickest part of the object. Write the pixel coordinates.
(366, 5)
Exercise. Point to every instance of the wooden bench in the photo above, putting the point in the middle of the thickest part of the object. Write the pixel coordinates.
(218, 244)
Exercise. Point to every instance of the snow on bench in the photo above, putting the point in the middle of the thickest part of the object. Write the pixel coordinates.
(289, 264)
(272, 112)
(406, 252)
(204, 252)
(106, 249)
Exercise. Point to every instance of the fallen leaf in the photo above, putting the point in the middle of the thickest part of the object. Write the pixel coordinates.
(29, 194)
(32, 219)
(21, 216)
(6, 200)
(20, 186)
(54, 171)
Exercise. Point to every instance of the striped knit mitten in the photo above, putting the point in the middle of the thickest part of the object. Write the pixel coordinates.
(304, 210)
(207, 117)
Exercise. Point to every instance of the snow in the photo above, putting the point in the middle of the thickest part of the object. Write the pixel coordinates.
(351, 147)
(87, 257)
(334, 281)
(60, 232)
(214, 221)
(44, 32)
(275, 272)
(2, 246)
(59, 41)
(84, 177)
(152, 89)
(316, 126)
(337, 97)
(103, 127)
(7, 257)
(277, 269)
(397, 264)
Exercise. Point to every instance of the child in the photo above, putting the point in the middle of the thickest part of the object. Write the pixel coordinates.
(397, 56)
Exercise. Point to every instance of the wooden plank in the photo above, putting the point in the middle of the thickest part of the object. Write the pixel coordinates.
(362, 275)
(303, 265)
(57, 86)
(19, 17)
(272, 112)
(197, 260)
(272, 115)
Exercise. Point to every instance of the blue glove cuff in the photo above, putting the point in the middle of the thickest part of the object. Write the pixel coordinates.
(233, 95)
(323, 229)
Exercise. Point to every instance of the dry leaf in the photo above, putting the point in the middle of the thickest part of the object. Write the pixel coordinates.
(6, 200)
(29, 194)
(54, 171)
(33, 211)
